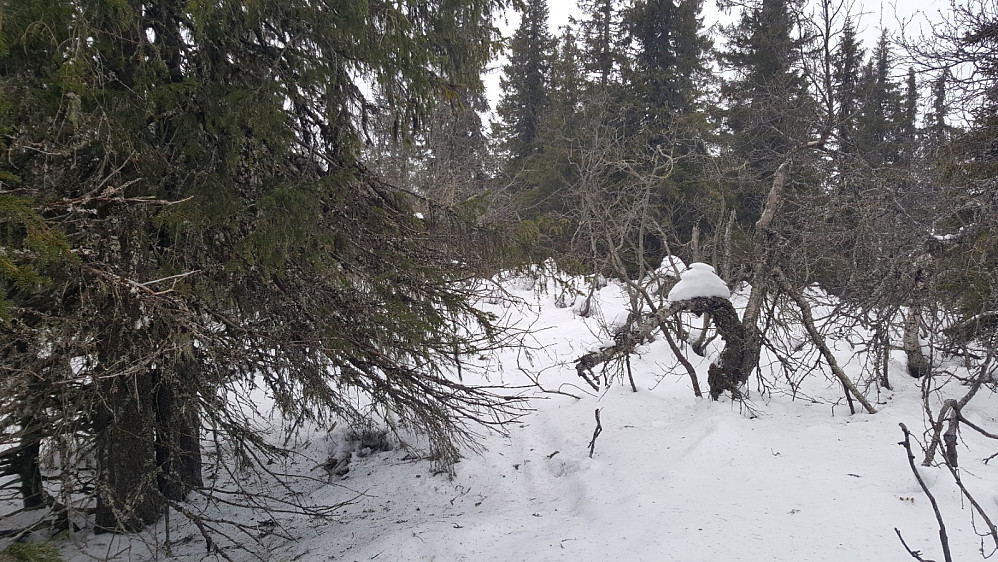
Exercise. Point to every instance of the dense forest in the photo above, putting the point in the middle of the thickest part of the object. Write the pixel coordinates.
(202, 199)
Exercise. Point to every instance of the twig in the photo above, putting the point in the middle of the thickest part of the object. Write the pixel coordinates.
(596, 432)
(916, 554)
(943, 539)
(974, 426)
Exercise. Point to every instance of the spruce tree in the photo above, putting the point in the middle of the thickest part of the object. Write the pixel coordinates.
(847, 64)
(599, 33)
(908, 126)
(880, 109)
(183, 215)
(663, 93)
(525, 85)
(769, 107)
(544, 179)
(936, 125)
(669, 52)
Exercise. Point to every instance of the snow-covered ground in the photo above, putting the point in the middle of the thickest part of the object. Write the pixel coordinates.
(672, 478)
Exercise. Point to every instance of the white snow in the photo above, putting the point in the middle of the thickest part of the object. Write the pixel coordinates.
(670, 265)
(790, 476)
(699, 280)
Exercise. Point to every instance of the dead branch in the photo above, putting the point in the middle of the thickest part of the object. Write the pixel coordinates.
(975, 427)
(625, 341)
(951, 406)
(819, 341)
(596, 432)
(760, 269)
(943, 538)
(684, 361)
(916, 554)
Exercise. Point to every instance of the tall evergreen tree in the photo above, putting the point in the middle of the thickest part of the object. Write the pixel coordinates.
(663, 94)
(908, 120)
(183, 214)
(847, 65)
(547, 174)
(669, 56)
(600, 35)
(526, 84)
(567, 74)
(936, 121)
(769, 105)
(880, 108)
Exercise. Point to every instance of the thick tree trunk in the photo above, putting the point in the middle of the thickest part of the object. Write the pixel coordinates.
(178, 439)
(728, 373)
(128, 497)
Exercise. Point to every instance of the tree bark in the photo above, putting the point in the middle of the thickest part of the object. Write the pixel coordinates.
(25, 464)
(728, 373)
(128, 496)
(918, 365)
(178, 435)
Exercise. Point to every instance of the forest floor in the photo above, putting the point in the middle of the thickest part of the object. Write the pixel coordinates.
(787, 475)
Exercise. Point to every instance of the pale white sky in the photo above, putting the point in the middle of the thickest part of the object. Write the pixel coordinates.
(913, 15)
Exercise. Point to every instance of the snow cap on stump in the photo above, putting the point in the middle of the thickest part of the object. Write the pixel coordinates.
(699, 280)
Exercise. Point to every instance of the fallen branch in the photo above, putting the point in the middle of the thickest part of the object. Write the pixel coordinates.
(625, 341)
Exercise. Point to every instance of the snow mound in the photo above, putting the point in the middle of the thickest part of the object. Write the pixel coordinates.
(670, 265)
(699, 280)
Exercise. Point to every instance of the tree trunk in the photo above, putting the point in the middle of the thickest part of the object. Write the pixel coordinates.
(128, 497)
(918, 365)
(761, 271)
(25, 464)
(178, 435)
(726, 374)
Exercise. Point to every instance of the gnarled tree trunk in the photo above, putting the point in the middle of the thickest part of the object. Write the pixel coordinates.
(729, 371)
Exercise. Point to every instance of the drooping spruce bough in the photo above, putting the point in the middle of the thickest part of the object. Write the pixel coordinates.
(183, 216)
